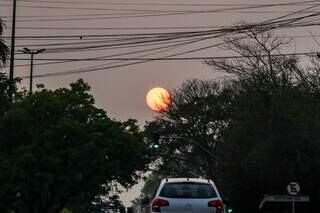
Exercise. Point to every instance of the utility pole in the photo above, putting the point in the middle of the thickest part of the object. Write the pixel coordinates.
(13, 36)
(31, 53)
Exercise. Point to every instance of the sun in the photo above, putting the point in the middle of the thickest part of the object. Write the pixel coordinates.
(158, 99)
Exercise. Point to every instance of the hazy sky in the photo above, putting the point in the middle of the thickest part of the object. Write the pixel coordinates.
(121, 91)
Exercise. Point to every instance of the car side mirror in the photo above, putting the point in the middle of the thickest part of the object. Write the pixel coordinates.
(146, 200)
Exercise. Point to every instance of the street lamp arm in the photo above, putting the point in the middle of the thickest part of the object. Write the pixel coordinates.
(29, 51)
(39, 51)
(26, 50)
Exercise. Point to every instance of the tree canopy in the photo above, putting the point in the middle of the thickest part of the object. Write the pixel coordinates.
(261, 126)
(274, 125)
(58, 150)
(190, 130)
(3, 46)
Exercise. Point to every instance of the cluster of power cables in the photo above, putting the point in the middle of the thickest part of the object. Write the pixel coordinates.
(137, 48)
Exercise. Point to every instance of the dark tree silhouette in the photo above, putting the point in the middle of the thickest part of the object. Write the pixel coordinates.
(261, 126)
(58, 150)
(3, 47)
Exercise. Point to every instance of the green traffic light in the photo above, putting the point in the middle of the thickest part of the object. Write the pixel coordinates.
(230, 210)
(155, 146)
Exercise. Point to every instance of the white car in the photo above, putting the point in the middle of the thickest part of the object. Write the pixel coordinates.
(186, 195)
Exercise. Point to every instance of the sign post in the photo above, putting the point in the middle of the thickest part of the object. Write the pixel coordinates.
(293, 189)
(284, 199)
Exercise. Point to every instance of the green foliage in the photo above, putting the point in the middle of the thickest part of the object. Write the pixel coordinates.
(262, 127)
(59, 150)
(190, 129)
(273, 134)
(4, 92)
(115, 202)
(3, 47)
(151, 185)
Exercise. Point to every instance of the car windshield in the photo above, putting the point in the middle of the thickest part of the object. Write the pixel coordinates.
(188, 190)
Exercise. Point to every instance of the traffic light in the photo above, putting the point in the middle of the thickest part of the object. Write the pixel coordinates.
(156, 146)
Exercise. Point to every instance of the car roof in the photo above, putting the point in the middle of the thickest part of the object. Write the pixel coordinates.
(177, 180)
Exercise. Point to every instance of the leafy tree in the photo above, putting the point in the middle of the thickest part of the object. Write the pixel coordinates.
(4, 81)
(58, 150)
(3, 47)
(266, 131)
(115, 202)
(273, 134)
(189, 132)
(4, 92)
(151, 184)
(4, 95)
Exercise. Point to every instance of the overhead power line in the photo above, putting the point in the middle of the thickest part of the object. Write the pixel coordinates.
(131, 42)
(156, 12)
(165, 59)
(138, 60)
(109, 35)
(177, 44)
(159, 4)
(294, 19)
(162, 4)
(79, 8)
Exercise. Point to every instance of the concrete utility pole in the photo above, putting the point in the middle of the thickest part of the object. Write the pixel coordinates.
(31, 53)
(13, 36)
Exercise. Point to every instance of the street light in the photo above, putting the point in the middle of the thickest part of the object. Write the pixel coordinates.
(32, 53)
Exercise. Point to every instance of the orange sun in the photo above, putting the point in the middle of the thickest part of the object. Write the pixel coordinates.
(158, 99)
